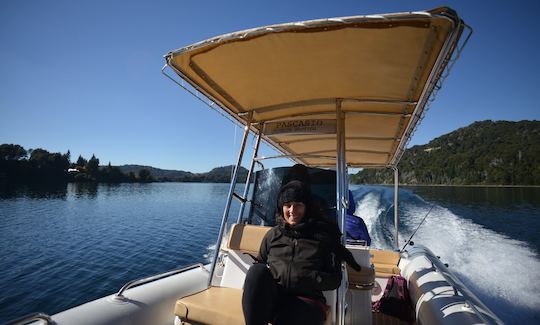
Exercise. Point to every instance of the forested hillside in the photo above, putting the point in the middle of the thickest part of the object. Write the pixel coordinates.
(19, 165)
(486, 152)
(483, 153)
(216, 175)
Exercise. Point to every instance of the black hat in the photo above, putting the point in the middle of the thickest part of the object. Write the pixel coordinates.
(293, 191)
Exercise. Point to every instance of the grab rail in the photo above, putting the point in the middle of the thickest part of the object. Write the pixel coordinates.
(119, 295)
(31, 318)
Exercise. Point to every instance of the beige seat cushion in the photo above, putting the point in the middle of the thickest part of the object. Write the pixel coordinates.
(246, 238)
(213, 306)
(385, 262)
(384, 256)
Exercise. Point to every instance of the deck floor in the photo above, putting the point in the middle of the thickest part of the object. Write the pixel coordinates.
(383, 319)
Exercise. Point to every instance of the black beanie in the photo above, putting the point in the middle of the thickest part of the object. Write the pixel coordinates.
(293, 191)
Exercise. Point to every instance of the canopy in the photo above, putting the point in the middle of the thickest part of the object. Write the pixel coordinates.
(377, 72)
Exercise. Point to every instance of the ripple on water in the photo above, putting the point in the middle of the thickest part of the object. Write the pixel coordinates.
(61, 250)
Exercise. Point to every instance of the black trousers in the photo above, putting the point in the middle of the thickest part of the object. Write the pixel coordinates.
(265, 302)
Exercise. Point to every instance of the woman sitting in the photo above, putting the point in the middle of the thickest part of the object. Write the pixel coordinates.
(298, 259)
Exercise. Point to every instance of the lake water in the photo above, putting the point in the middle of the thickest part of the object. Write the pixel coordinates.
(63, 246)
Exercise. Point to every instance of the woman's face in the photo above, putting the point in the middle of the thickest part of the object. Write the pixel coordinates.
(294, 212)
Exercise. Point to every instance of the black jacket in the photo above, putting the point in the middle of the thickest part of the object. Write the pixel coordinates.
(302, 258)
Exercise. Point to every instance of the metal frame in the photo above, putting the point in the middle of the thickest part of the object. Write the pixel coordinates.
(396, 218)
(341, 204)
(27, 319)
(328, 101)
(346, 138)
(120, 297)
(250, 172)
(210, 101)
(288, 116)
(295, 156)
(432, 83)
(229, 200)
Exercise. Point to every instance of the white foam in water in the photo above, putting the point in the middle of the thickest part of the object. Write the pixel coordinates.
(501, 271)
(369, 209)
(491, 264)
(211, 251)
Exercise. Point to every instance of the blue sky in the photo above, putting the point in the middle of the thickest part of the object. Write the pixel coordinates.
(85, 75)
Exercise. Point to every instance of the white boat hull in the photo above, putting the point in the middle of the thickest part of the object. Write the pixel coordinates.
(437, 295)
(151, 303)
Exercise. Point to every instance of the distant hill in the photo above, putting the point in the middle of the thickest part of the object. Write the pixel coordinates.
(216, 175)
(484, 153)
(158, 174)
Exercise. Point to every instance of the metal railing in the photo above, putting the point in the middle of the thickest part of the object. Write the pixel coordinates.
(27, 319)
(119, 295)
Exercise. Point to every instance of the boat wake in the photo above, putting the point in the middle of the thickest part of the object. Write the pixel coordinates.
(209, 255)
(501, 271)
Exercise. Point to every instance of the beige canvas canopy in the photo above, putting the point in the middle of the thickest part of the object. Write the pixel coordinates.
(295, 81)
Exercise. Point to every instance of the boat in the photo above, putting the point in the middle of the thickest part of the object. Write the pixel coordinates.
(330, 94)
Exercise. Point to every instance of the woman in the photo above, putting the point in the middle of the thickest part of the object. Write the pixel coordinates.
(298, 259)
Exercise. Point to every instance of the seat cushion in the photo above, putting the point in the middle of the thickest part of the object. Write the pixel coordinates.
(215, 305)
(246, 238)
(386, 269)
(384, 257)
(385, 262)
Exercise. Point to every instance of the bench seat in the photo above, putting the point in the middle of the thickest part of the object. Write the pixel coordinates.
(223, 304)
(215, 305)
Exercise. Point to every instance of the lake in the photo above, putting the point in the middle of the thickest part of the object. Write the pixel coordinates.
(65, 245)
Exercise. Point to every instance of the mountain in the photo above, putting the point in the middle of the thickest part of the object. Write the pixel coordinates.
(483, 153)
(216, 175)
(156, 173)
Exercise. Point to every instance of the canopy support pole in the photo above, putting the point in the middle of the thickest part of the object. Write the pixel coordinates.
(229, 200)
(341, 204)
(250, 172)
(396, 190)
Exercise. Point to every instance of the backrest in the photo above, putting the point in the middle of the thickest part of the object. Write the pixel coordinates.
(380, 256)
(246, 238)
(243, 240)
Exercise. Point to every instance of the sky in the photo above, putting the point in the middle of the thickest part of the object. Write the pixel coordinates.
(85, 76)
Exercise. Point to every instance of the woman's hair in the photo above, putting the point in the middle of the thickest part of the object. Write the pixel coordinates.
(297, 172)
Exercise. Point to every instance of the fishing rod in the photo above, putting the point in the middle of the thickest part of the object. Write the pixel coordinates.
(424, 219)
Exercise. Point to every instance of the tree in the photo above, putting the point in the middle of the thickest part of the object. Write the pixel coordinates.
(112, 174)
(145, 175)
(39, 157)
(92, 167)
(67, 156)
(13, 163)
(131, 177)
(485, 152)
(46, 166)
(81, 162)
(12, 152)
